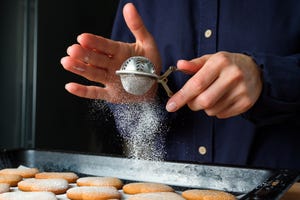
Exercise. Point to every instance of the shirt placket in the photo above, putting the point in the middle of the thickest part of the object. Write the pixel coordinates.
(206, 19)
(207, 27)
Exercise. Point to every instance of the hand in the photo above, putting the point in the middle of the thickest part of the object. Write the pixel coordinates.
(223, 85)
(97, 59)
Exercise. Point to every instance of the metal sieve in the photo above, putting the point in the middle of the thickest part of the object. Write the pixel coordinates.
(138, 76)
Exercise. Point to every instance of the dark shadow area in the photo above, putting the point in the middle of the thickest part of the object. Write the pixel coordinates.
(64, 121)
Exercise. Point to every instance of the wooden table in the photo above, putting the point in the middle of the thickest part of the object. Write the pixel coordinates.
(293, 193)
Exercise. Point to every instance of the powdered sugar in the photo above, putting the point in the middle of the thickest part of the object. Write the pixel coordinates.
(56, 185)
(93, 192)
(157, 196)
(142, 127)
(23, 171)
(68, 176)
(28, 196)
(4, 187)
(94, 189)
(100, 181)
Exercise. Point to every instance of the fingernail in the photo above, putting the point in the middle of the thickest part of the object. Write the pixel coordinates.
(69, 50)
(62, 60)
(67, 86)
(79, 69)
(171, 107)
(180, 61)
(79, 37)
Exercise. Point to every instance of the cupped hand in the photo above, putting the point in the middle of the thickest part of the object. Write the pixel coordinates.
(97, 59)
(223, 85)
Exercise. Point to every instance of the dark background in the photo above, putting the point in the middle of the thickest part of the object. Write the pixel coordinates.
(60, 120)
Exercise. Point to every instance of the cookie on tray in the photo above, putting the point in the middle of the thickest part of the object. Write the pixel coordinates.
(100, 181)
(4, 187)
(68, 176)
(25, 172)
(197, 194)
(93, 193)
(11, 179)
(156, 196)
(57, 186)
(146, 187)
(28, 195)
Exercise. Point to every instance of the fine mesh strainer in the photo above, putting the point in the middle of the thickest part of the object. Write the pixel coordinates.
(138, 76)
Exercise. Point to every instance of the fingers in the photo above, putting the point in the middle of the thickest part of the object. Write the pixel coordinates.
(135, 23)
(226, 85)
(89, 56)
(227, 81)
(98, 44)
(97, 58)
(233, 109)
(187, 67)
(90, 92)
(232, 103)
(89, 72)
(210, 96)
(192, 66)
(112, 95)
(195, 86)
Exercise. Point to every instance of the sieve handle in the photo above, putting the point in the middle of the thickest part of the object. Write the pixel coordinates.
(164, 80)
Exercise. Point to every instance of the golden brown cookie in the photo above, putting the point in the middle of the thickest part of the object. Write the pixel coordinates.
(197, 194)
(100, 181)
(4, 187)
(144, 187)
(11, 179)
(156, 196)
(28, 196)
(93, 193)
(25, 172)
(68, 176)
(57, 186)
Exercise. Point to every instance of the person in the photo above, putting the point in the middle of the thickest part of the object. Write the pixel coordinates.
(237, 98)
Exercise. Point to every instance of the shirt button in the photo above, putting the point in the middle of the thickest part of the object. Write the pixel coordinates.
(208, 33)
(202, 150)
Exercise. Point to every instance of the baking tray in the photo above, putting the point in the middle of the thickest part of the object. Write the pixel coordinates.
(245, 183)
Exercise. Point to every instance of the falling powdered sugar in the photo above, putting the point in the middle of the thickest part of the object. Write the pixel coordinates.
(142, 126)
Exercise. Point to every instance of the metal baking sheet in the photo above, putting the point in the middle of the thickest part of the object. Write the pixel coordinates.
(245, 183)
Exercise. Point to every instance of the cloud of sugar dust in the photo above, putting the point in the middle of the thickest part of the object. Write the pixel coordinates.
(143, 128)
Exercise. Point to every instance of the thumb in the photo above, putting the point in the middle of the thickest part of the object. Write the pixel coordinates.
(192, 66)
(135, 23)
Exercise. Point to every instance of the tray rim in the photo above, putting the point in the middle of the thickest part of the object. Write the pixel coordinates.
(261, 190)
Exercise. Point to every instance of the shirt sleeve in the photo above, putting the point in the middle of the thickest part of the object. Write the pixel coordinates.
(280, 97)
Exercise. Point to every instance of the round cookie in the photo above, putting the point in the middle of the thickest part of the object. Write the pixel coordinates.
(4, 187)
(28, 196)
(197, 194)
(93, 193)
(68, 176)
(156, 196)
(25, 172)
(11, 179)
(100, 181)
(57, 186)
(144, 187)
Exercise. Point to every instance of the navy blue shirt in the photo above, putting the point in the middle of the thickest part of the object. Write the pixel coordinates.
(268, 135)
